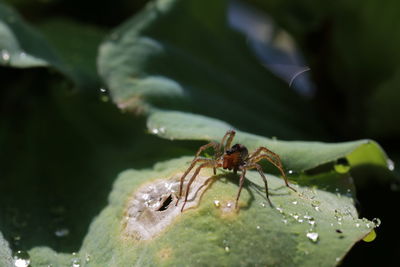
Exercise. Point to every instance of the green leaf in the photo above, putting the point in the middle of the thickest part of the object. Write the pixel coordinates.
(70, 144)
(296, 155)
(172, 79)
(296, 231)
(353, 56)
(22, 46)
(149, 62)
(77, 44)
(5, 253)
(68, 47)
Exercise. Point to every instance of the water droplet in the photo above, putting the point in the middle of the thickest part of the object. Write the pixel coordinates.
(390, 164)
(226, 245)
(337, 259)
(349, 193)
(338, 215)
(376, 221)
(311, 220)
(76, 262)
(338, 193)
(357, 225)
(61, 232)
(88, 257)
(313, 236)
(294, 202)
(292, 173)
(217, 203)
(295, 216)
(5, 55)
(342, 165)
(104, 96)
(370, 237)
(262, 204)
(21, 259)
(160, 130)
(258, 227)
(315, 203)
(285, 221)
(279, 209)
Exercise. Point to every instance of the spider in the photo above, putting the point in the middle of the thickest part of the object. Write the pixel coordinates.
(236, 158)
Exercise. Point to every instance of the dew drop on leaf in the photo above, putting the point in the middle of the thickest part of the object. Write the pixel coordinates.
(21, 259)
(61, 232)
(292, 173)
(104, 97)
(88, 258)
(390, 164)
(370, 237)
(295, 216)
(315, 204)
(376, 221)
(75, 262)
(313, 236)
(342, 165)
(5, 56)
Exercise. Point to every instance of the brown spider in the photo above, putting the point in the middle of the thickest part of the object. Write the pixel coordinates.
(234, 158)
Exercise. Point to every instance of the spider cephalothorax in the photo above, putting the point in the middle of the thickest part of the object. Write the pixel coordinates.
(236, 158)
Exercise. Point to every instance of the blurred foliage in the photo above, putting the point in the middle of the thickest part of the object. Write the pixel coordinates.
(351, 48)
(52, 122)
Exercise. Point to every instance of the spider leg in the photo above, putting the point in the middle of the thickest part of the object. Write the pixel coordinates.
(196, 160)
(211, 163)
(241, 181)
(215, 145)
(217, 149)
(263, 149)
(276, 162)
(230, 135)
(260, 171)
